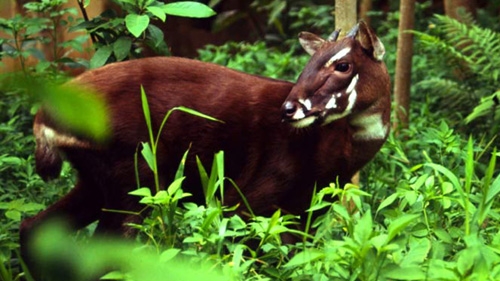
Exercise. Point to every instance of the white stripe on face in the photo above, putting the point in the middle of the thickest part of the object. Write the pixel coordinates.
(342, 53)
(332, 103)
(354, 81)
(351, 101)
(306, 103)
(299, 114)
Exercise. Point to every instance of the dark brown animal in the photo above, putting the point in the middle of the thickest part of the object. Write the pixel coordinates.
(279, 138)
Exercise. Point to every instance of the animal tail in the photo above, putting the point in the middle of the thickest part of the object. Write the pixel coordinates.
(48, 158)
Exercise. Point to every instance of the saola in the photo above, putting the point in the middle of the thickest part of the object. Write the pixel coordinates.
(279, 138)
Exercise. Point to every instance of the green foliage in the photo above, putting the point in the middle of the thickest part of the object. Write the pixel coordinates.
(118, 36)
(64, 259)
(256, 58)
(469, 56)
(25, 32)
(434, 223)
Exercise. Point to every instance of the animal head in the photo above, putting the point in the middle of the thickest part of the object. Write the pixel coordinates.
(343, 76)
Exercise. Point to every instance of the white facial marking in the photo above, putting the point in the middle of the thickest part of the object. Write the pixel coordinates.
(304, 122)
(351, 101)
(371, 127)
(299, 114)
(306, 103)
(340, 54)
(332, 103)
(353, 83)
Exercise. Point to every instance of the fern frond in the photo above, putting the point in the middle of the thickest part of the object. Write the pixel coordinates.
(451, 55)
(454, 94)
(480, 46)
(487, 106)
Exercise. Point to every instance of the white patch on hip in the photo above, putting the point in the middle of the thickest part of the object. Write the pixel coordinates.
(370, 127)
(52, 138)
(340, 54)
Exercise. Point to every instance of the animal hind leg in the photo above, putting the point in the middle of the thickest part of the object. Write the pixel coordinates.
(80, 207)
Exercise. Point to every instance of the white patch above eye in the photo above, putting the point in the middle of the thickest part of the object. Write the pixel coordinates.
(340, 54)
(371, 127)
(306, 103)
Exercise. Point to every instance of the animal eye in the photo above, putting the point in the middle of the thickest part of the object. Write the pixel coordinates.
(342, 67)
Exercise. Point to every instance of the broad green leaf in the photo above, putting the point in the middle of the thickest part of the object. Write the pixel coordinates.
(136, 24)
(449, 174)
(189, 9)
(143, 191)
(404, 273)
(304, 257)
(442, 235)
(175, 185)
(161, 197)
(417, 254)
(379, 242)
(442, 270)
(169, 254)
(363, 229)
(156, 35)
(101, 56)
(399, 224)
(121, 48)
(148, 155)
(238, 255)
(14, 215)
(157, 12)
(31, 206)
(341, 211)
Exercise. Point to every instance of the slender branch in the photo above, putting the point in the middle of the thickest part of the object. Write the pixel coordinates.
(86, 18)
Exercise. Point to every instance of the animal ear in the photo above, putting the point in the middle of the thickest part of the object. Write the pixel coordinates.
(310, 42)
(368, 40)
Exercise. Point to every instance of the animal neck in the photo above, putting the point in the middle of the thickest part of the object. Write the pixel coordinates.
(370, 125)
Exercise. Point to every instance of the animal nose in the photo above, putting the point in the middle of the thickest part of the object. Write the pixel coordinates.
(288, 109)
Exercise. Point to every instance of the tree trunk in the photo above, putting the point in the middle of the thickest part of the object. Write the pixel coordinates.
(345, 15)
(365, 7)
(345, 19)
(403, 64)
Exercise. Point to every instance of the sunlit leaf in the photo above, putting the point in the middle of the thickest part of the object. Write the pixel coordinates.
(136, 24)
(188, 9)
